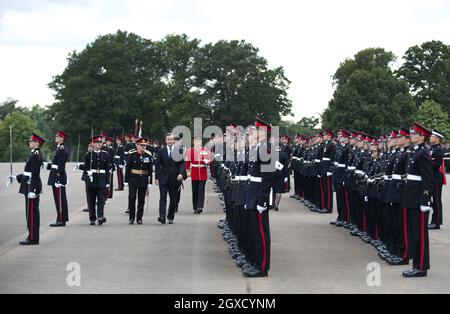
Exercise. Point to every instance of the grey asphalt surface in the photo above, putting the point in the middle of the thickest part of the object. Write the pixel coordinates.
(308, 255)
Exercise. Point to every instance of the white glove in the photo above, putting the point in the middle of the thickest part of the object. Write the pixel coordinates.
(108, 186)
(90, 173)
(206, 161)
(12, 178)
(366, 199)
(121, 166)
(329, 174)
(58, 185)
(319, 176)
(149, 186)
(45, 164)
(286, 180)
(126, 184)
(425, 209)
(261, 209)
(32, 195)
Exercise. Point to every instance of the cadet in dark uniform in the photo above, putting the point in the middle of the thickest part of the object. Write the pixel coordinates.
(437, 157)
(417, 201)
(326, 172)
(261, 182)
(31, 187)
(58, 179)
(138, 178)
(119, 162)
(341, 164)
(97, 165)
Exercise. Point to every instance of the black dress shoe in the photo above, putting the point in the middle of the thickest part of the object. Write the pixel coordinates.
(415, 273)
(127, 212)
(254, 273)
(92, 223)
(171, 222)
(434, 227)
(333, 223)
(86, 210)
(162, 220)
(131, 222)
(57, 224)
(139, 222)
(28, 242)
(101, 221)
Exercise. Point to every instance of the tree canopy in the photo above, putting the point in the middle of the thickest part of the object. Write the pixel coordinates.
(368, 95)
(120, 77)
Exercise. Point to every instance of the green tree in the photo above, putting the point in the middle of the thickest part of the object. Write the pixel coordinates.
(236, 84)
(7, 107)
(432, 115)
(99, 88)
(23, 127)
(368, 95)
(427, 71)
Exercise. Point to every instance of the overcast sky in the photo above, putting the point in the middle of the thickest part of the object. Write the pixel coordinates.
(308, 38)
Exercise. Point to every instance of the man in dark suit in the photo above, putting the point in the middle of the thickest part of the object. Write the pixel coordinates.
(169, 172)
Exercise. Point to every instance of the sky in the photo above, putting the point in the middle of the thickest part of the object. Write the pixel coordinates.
(308, 38)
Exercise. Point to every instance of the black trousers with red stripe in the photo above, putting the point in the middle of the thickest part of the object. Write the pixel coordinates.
(261, 240)
(437, 217)
(62, 209)
(33, 218)
(418, 238)
(119, 178)
(327, 193)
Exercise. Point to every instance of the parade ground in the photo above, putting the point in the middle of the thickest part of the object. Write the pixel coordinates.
(191, 257)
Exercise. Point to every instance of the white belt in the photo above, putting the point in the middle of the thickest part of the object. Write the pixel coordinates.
(336, 164)
(117, 157)
(55, 167)
(99, 171)
(317, 160)
(256, 179)
(370, 180)
(387, 178)
(198, 166)
(126, 153)
(351, 168)
(412, 177)
(295, 158)
(360, 172)
(27, 174)
(396, 177)
(326, 159)
(342, 166)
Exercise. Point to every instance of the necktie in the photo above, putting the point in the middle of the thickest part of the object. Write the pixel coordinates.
(170, 152)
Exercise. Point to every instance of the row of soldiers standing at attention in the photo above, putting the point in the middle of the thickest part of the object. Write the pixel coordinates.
(385, 188)
(248, 182)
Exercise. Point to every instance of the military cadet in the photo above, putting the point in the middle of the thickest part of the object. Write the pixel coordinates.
(326, 172)
(258, 201)
(97, 164)
(198, 159)
(130, 144)
(138, 179)
(84, 178)
(31, 187)
(341, 164)
(287, 151)
(417, 201)
(437, 157)
(398, 250)
(108, 147)
(119, 161)
(281, 176)
(58, 179)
